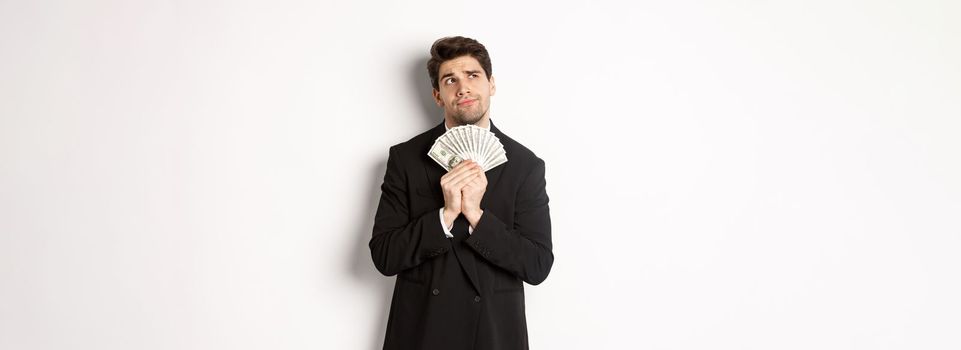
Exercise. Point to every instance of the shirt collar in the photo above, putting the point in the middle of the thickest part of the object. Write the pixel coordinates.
(488, 128)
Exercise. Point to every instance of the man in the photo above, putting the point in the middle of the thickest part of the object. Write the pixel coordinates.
(466, 291)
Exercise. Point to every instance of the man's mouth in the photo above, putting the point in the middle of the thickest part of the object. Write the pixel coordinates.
(466, 102)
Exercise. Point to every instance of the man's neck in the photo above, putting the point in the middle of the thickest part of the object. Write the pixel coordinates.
(484, 123)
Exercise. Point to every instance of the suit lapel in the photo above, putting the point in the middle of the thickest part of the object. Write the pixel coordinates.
(494, 175)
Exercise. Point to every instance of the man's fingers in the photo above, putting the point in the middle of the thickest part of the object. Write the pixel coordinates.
(458, 173)
(474, 178)
(466, 170)
(481, 176)
(464, 179)
(477, 182)
(462, 164)
(459, 169)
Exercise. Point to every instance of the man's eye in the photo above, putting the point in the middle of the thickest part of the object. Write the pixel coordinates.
(473, 75)
(449, 81)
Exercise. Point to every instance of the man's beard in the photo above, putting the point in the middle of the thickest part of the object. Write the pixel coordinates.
(468, 117)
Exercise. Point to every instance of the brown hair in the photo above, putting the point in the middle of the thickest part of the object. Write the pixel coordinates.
(448, 48)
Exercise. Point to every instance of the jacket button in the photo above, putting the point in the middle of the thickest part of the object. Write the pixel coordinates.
(476, 298)
(435, 291)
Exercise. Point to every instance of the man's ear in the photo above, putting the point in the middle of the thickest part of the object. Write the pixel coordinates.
(493, 87)
(437, 99)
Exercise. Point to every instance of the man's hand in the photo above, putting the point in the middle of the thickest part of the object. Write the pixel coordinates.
(453, 184)
(472, 194)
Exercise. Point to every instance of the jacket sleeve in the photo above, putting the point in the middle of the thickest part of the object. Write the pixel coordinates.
(401, 241)
(525, 249)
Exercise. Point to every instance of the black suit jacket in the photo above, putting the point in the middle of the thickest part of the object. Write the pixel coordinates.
(465, 292)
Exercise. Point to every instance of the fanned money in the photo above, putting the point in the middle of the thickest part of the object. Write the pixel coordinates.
(468, 142)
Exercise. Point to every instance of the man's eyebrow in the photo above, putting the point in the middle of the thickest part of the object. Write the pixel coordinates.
(468, 72)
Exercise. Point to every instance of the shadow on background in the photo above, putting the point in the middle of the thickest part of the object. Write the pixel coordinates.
(362, 266)
(420, 89)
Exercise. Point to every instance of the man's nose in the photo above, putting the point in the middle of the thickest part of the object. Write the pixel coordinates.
(463, 90)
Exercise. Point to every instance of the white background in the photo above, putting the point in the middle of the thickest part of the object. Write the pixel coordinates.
(723, 175)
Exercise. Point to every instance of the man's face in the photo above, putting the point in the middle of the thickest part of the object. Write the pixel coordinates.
(464, 91)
